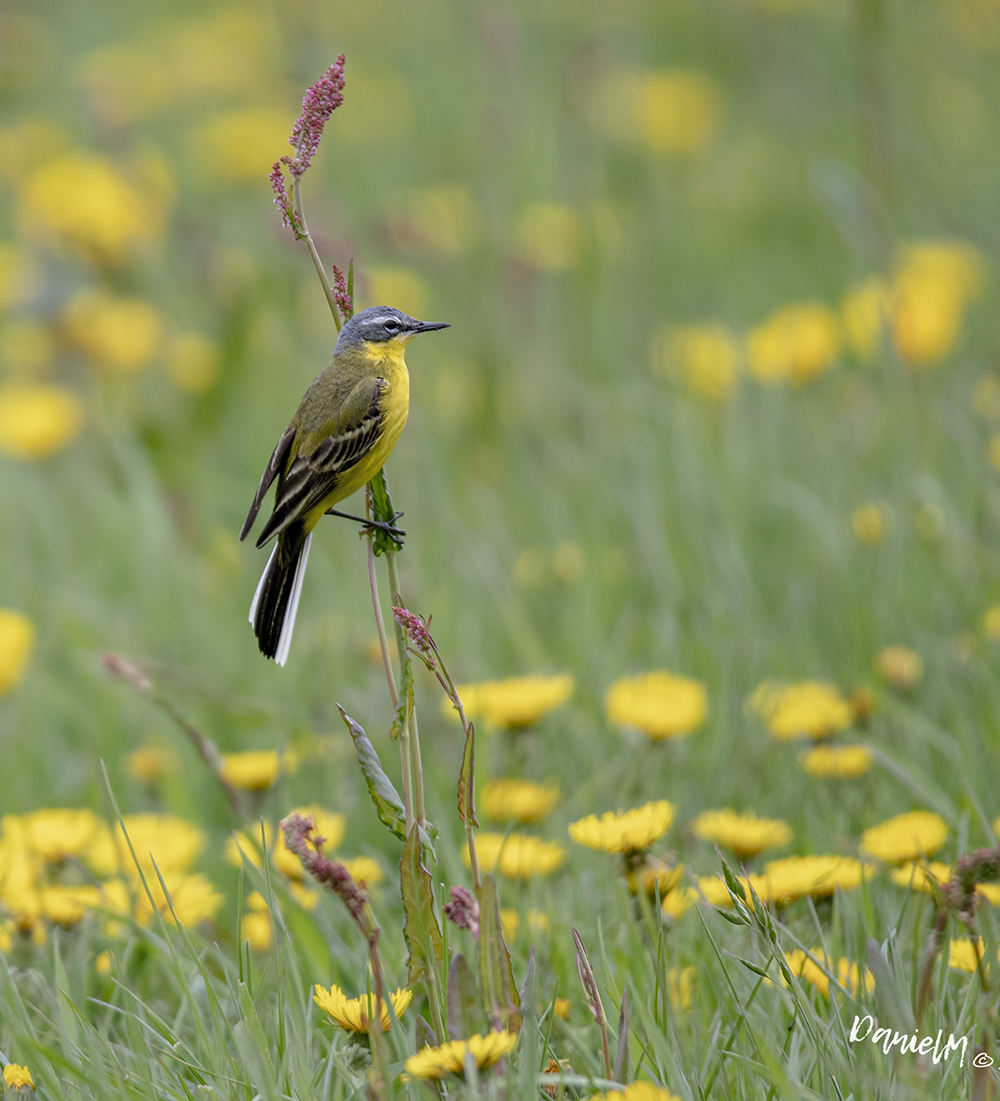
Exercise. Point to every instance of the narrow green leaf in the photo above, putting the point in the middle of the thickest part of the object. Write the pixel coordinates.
(388, 804)
(252, 1022)
(426, 1036)
(621, 1066)
(466, 779)
(500, 995)
(67, 1017)
(529, 978)
(420, 925)
(464, 1007)
(405, 707)
(382, 510)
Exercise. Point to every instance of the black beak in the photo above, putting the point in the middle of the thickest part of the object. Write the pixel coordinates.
(430, 326)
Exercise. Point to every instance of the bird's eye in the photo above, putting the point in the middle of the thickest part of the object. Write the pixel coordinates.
(392, 324)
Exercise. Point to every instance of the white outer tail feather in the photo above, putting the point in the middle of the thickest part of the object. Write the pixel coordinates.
(285, 638)
(260, 585)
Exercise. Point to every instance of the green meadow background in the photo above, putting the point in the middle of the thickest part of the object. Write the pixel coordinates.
(573, 501)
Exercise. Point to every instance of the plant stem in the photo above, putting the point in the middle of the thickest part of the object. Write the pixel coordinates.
(303, 234)
(383, 641)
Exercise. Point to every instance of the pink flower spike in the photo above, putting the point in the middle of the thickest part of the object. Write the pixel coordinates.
(319, 103)
(340, 293)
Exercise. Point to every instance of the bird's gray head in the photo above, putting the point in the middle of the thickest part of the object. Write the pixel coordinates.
(382, 324)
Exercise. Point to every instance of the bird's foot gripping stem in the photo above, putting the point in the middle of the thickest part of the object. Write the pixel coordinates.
(367, 526)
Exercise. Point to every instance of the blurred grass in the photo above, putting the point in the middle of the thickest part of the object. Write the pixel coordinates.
(713, 540)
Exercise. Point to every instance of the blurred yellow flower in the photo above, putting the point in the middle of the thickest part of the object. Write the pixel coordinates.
(121, 334)
(660, 704)
(58, 833)
(991, 622)
(704, 358)
(19, 276)
(125, 82)
(353, 1014)
(194, 898)
(83, 200)
(803, 709)
(784, 881)
(905, 837)
(656, 876)
(637, 1091)
(993, 450)
(256, 928)
(841, 762)
(65, 904)
(871, 523)
(399, 287)
(363, 870)
(676, 111)
(194, 362)
(561, 1008)
(516, 855)
(847, 973)
(28, 142)
(250, 846)
(964, 955)
(744, 834)
(679, 901)
(150, 763)
(239, 146)
(510, 921)
(103, 963)
(795, 344)
(515, 702)
(230, 52)
(549, 237)
(680, 986)
(934, 284)
(37, 421)
(443, 220)
(329, 825)
(864, 309)
(627, 831)
(26, 345)
(439, 1062)
(252, 770)
(569, 563)
(17, 636)
(921, 875)
(16, 1077)
(902, 667)
(518, 800)
(174, 843)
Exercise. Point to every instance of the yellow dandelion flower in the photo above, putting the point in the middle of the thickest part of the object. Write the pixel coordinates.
(151, 763)
(510, 921)
(842, 762)
(85, 201)
(679, 901)
(795, 344)
(120, 334)
(363, 870)
(905, 837)
(902, 667)
(174, 843)
(516, 856)
(803, 709)
(627, 831)
(58, 833)
(660, 704)
(17, 636)
(637, 1091)
(16, 1077)
(353, 1014)
(744, 834)
(439, 1062)
(680, 986)
(239, 146)
(864, 309)
(252, 770)
(819, 876)
(65, 904)
(991, 622)
(549, 237)
(103, 963)
(241, 844)
(194, 898)
(256, 928)
(871, 523)
(194, 362)
(703, 358)
(516, 702)
(392, 284)
(964, 954)
(805, 966)
(561, 1008)
(676, 111)
(657, 875)
(518, 800)
(37, 421)
(921, 876)
(328, 824)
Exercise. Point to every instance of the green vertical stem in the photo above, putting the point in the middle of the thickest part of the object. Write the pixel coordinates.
(874, 129)
(303, 234)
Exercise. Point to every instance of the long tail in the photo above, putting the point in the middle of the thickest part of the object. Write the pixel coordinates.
(272, 613)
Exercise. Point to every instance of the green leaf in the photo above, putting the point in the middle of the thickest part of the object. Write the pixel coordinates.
(499, 992)
(382, 510)
(405, 707)
(466, 779)
(426, 1036)
(464, 1011)
(620, 1070)
(388, 804)
(420, 925)
(254, 1026)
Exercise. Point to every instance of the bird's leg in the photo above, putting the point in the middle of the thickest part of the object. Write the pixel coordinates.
(389, 527)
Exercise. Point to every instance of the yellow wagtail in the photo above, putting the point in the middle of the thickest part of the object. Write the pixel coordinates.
(340, 436)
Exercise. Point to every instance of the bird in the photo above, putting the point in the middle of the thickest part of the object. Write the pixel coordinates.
(339, 438)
